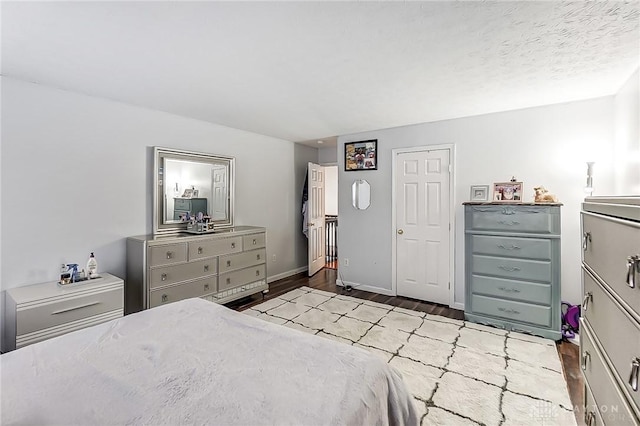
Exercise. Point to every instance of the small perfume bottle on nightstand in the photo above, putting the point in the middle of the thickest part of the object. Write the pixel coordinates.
(92, 267)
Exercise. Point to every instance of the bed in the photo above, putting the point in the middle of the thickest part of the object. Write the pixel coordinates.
(198, 362)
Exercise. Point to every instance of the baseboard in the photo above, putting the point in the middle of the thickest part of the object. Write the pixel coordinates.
(458, 305)
(286, 274)
(369, 288)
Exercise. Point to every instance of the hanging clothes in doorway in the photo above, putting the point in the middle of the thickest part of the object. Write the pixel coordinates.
(305, 198)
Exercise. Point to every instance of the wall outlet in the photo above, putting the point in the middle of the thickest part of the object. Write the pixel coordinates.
(345, 262)
(273, 258)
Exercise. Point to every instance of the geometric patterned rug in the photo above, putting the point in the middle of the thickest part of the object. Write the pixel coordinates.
(459, 372)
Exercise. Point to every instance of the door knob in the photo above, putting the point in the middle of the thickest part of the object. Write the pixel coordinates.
(400, 231)
(310, 224)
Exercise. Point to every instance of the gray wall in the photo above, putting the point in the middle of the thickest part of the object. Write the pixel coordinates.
(541, 146)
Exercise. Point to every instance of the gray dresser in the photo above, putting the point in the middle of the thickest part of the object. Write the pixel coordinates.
(220, 267)
(512, 266)
(192, 205)
(610, 323)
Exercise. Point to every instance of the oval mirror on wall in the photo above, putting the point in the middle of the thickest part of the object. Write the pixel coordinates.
(361, 194)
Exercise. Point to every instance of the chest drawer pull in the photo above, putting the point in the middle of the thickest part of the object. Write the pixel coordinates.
(511, 247)
(509, 223)
(635, 371)
(255, 241)
(509, 268)
(633, 267)
(169, 255)
(228, 280)
(258, 257)
(163, 277)
(590, 418)
(164, 298)
(257, 272)
(509, 290)
(233, 245)
(585, 301)
(200, 250)
(509, 311)
(586, 357)
(228, 263)
(206, 268)
(75, 308)
(206, 287)
(586, 239)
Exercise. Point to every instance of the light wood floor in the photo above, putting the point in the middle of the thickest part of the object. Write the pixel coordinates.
(326, 280)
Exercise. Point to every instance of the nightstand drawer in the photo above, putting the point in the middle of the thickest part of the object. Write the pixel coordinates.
(514, 218)
(511, 289)
(63, 311)
(183, 272)
(242, 260)
(209, 248)
(196, 288)
(517, 311)
(167, 254)
(530, 248)
(241, 277)
(250, 242)
(519, 269)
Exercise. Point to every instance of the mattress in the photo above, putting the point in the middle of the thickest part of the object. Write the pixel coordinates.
(198, 362)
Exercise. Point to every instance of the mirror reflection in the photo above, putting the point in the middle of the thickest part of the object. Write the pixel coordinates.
(361, 194)
(190, 184)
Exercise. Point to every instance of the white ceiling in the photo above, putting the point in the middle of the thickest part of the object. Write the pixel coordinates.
(304, 71)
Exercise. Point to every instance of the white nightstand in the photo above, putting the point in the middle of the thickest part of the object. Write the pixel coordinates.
(42, 311)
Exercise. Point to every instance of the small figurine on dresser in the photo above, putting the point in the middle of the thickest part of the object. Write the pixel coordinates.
(543, 196)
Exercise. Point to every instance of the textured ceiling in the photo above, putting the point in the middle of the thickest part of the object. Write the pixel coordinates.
(308, 70)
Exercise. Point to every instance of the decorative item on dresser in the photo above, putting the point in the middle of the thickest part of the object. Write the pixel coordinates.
(42, 311)
(610, 323)
(512, 264)
(220, 267)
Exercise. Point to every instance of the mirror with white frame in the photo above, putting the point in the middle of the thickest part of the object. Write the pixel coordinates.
(192, 182)
(361, 194)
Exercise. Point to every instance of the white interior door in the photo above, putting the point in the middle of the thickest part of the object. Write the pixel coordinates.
(423, 225)
(315, 218)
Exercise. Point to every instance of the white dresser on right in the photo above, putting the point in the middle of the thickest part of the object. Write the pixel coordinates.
(610, 323)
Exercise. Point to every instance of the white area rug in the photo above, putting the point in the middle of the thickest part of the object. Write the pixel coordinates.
(460, 373)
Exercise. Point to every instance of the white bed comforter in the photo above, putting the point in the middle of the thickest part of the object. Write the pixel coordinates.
(196, 362)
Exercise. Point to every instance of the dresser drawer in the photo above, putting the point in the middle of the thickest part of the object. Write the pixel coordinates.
(519, 269)
(511, 289)
(513, 218)
(241, 277)
(181, 204)
(517, 311)
(609, 242)
(167, 254)
(530, 248)
(185, 271)
(255, 241)
(216, 247)
(612, 326)
(198, 288)
(607, 396)
(71, 309)
(591, 410)
(232, 262)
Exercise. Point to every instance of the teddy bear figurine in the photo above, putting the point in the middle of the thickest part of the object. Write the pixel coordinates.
(543, 196)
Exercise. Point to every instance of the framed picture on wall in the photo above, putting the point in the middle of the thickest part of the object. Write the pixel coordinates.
(361, 155)
(507, 192)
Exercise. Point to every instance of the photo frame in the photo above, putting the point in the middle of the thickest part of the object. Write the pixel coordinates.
(362, 155)
(479, 193)
(188, 193)
(507, 192)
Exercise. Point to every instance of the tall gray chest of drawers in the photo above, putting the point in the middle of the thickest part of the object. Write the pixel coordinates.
(512, 266)
(220, 267)
(610, 323)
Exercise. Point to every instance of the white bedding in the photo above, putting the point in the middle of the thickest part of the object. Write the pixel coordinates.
(197, 362)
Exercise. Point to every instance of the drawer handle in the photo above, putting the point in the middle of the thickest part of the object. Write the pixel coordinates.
(635, 371)
(233, 245)
(206, 268)
(633, 267)
(590, 418)
(206, 287)
(586, 239)
(199, 250)
(509, 311)
(228, 280)
(257, 272)
(586, 357)
(585, 302)
(163, 277)
(255, 241)
(509, 290)
(62, 311)
(228, 263)
(169, 254)
(510, 223)
(509, 268)
(258, 257)
(511, 247)
(164, 298)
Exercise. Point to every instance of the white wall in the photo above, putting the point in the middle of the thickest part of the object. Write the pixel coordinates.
(627, 137)
(541, 146)
(76, 177)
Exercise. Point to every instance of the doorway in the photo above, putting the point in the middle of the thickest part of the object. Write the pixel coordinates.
(331, 216)
(422, 223)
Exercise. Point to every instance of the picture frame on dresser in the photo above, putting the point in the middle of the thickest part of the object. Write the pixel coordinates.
(479, 193)
(507, 192)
